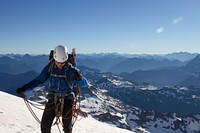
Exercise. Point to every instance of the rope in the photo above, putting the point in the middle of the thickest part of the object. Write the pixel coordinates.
(31, 111)
(75, 111)
(36, 105)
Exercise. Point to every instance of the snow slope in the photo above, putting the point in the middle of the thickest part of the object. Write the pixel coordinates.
(15, 118)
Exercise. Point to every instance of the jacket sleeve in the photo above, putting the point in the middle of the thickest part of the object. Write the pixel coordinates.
(81, 81)
(41, 78)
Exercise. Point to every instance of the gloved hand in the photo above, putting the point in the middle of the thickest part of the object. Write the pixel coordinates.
(20, 92)
(77, 75)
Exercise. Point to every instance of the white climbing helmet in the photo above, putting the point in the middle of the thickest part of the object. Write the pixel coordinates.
(60, 53)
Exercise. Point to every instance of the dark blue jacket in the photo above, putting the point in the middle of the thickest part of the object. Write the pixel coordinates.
(60, 81)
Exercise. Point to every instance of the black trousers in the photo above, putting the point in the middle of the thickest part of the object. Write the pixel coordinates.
(49, 115)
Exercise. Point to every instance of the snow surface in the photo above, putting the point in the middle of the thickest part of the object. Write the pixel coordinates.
(15, 118)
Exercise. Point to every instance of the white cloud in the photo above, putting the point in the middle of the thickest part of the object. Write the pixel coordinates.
(177, 20)
(160, 30)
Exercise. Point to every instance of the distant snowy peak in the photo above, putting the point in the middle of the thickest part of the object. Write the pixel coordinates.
(182, 56)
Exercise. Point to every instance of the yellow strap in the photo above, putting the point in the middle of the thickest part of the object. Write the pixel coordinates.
(60, 76)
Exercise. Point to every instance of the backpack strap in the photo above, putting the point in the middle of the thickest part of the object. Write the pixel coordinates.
(51, 55)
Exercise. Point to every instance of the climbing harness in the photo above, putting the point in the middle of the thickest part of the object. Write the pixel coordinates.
(58, 107)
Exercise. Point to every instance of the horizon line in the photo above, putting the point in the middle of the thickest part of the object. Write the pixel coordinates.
(98, 53)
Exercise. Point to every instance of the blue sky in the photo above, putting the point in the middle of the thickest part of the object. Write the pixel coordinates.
(95, 26)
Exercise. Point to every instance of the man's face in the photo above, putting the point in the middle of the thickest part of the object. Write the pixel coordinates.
(60, 64)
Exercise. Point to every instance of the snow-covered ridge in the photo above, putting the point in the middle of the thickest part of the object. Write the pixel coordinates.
(15, 118)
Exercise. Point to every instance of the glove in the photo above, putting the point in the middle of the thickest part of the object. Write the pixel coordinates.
(20, 91)
(77, 75)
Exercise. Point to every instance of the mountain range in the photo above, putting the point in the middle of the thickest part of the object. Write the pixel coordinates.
(158, 70)
(149, 99)
(183, 75)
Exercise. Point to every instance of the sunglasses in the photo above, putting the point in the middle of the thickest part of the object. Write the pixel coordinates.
(60, 63)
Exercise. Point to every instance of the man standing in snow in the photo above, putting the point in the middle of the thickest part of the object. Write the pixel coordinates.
(62, 77)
